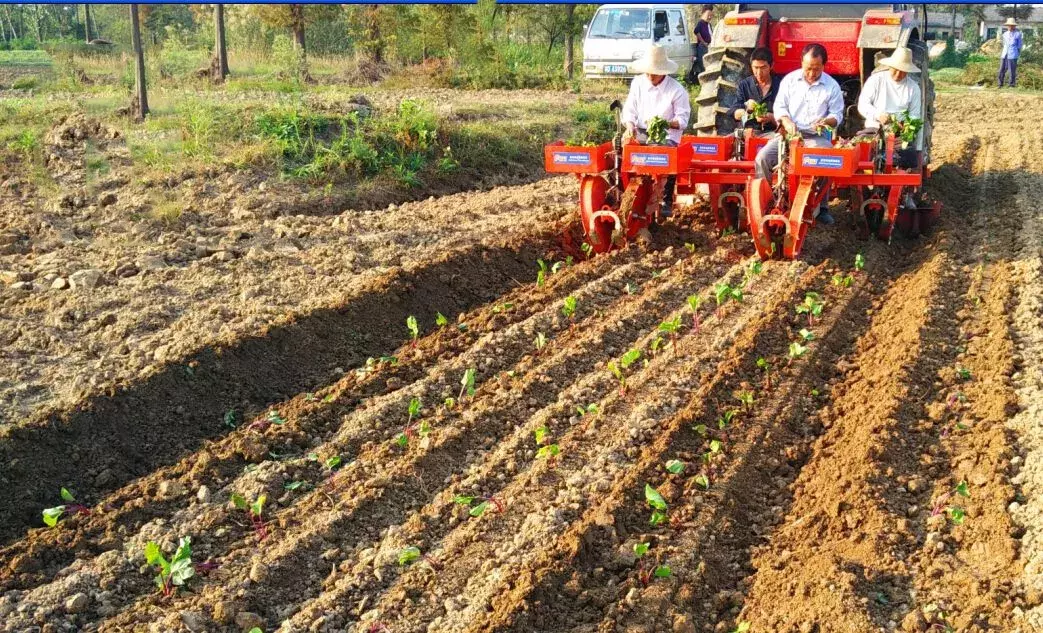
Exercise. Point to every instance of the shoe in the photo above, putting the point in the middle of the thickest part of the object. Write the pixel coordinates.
(824, 217)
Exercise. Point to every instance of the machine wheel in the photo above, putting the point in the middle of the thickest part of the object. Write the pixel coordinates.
(725, 68)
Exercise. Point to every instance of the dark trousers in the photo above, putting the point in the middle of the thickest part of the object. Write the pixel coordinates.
(1012, 65)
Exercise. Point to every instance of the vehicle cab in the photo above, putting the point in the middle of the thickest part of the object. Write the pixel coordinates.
(619, 34)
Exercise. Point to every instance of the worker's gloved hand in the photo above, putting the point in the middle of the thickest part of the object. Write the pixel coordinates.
(883, 118)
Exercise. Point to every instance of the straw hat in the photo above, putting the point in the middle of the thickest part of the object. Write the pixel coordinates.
(901, 59)
(655, 62)
(1010, 22)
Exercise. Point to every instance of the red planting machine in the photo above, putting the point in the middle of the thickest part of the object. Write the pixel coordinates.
(621, 183)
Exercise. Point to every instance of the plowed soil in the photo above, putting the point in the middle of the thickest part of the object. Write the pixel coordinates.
(889, 478)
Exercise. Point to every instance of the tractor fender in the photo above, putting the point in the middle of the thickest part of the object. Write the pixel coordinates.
(884, 29)
(742, 30)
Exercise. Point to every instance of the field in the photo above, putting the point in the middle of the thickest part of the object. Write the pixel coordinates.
(625, 459)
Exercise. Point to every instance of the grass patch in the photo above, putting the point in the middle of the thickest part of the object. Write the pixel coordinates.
(25, 58)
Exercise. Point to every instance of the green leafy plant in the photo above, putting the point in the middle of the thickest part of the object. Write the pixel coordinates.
(441, 320)
(657, 503)
(539, 342)
(953, 512)
(812, 306)
(755, 268)
(640, 549)
(703, 481)
(477, 510)
(618, 373)
(693, 303)
(905, 128)
(408, 555)
(746, 399)
(568, 308)
(590, 408)
(588, 250)
(175, 572)
(765, 367)
(253, 512)
(657, 127)
(796, 350)
(860, 261)
(963, 373)
(675, 466)
(547, 450)
(467, 384)
(670, 328)
(844, 281)
(722, 292)
(806, 335)
(414, 328)
(52, 515)
(726, 418)
(629, 358)
(541, 274)
(744, 627)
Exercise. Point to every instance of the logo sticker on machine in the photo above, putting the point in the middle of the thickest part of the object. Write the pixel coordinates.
(572, 158)
(650, 160)
(706, 149)
(823, 162)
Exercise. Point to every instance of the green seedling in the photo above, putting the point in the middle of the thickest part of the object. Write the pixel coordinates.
(955, 513)
(655, 345)
(273, 417)
(693, 303)
(963, 373)
(440, 320)
(541, 274)
(806, 335)
(703, 481)
(229, 419)
(744, 627)
(590, 408)
(414, 328)
(690, 247)
(765, 366)
(256, 629)
(467, 384)
(449, 402)
(618, 373)
(548, 452)
(640, 549)
(726, 419)
(568, 308)
(657, 503)
(755, 268)
(253, 512)
(540, 342)
(630, 288)
(844, 281)
(559, 265)
(52, 515)
(477, 510)
(503, 307)
(408, 555)
(675, 467)
(860, 261)
(175, 572)
(671, 327)
(796, 350)
(303, 486)
(588, 250)
(746, 398)
(722, 292)
(812, 306)
(716, 446)
(662, 571)
(656, 129)
(628, 359)
(333, 462)
(414, 409)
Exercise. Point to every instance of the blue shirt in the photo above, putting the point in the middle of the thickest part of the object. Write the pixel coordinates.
(806, 103)
(1011, 44)
(750, 89)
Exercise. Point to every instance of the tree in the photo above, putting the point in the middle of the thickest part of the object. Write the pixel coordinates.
(295, 17)
(139, 105)
(220, 50)
(87, 22)
(570, 38)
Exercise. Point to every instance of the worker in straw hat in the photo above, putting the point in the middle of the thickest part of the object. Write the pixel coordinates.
(891, 92)
(654, 93)
(1011, 51)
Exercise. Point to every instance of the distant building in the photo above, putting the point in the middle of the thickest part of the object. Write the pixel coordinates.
(940, 26)
(1031, 25)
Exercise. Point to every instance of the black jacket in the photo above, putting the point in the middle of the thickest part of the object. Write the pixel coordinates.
(748, 89)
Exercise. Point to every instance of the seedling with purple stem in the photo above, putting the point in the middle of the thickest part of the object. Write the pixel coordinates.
(746, 399)
(467, 384)
(812, 306)
(670, 328)
(657, 503)
(955, 513)
(483, 504)
(693, 303)
(51, 515)
(568, 307)
(273, 417)
(547, 450)
(414, 328)
(175, 572)
(963, 373)
(796, 350)
(765, 366)
(253, 512)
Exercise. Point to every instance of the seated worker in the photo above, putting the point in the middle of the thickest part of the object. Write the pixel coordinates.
(653, 94)
(760, 87)
(886, 94)
(808, 100)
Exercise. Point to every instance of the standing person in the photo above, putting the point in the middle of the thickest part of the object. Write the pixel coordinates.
(703, 35)
(886, 94)
(808, 100)
(1011, 51)
(762, 86)
(653, 93)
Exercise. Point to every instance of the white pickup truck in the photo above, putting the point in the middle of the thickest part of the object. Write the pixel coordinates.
(620, 33)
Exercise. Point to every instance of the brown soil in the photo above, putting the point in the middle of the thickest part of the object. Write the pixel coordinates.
(833, 502)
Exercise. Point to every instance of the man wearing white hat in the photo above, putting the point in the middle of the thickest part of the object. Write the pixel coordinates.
(654, 93)
(891, 91)
(1011, 51)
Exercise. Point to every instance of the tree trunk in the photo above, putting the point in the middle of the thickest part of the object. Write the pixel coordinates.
(297, 15)
(221, 52)
(87, 22)
(140, 103)
(373, 32)
(570, 39)
(39, 23)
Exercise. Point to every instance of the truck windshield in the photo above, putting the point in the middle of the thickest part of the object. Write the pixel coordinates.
(622, 24)
(814, 11)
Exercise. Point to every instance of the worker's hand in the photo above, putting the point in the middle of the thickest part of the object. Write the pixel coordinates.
(630, 132)
(789, 126)
(739, 114)
(767, 118)
(883, 118)
(750, 104)
(675, 125)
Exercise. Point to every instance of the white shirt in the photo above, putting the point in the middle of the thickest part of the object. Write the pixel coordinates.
(668, 100)
(882, 94)
(806, 103)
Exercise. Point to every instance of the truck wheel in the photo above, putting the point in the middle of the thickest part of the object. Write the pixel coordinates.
(719, 85)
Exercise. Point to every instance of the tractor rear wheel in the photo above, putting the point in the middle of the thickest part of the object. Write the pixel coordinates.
(719, 88)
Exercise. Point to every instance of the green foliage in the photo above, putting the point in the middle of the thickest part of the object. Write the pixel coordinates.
(175, 572)
(657, 127)
(568, 308)
(592, 123)
(408, 555)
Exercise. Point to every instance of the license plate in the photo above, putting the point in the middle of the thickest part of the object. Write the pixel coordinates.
(615, 69)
